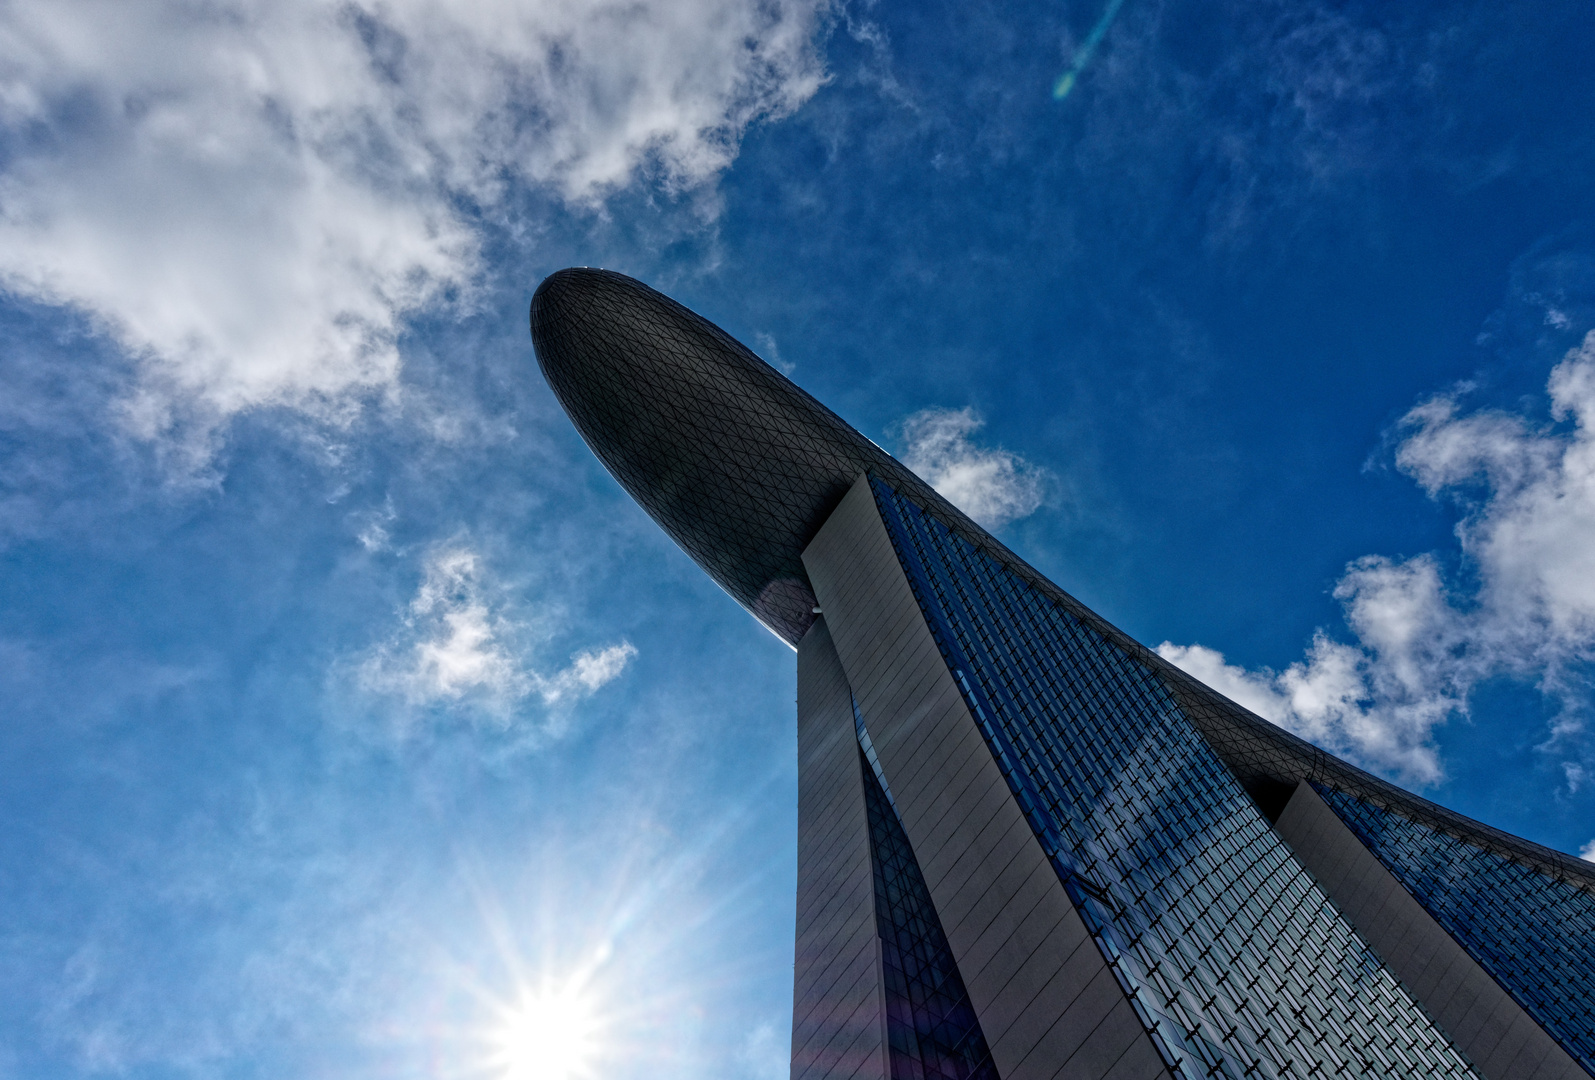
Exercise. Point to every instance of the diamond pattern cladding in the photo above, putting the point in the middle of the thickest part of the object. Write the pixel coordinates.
(740, 467)
(1534, 933)
(736, 463)
(1235, 960)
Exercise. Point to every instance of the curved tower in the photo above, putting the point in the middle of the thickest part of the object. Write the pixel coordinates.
(1028, 846)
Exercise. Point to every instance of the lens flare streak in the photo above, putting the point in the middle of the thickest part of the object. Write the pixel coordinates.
(1066, 81)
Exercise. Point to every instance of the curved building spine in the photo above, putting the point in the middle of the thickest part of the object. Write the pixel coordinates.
(1028, 846)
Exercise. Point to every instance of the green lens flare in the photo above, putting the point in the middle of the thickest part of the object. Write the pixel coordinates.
(1060, 90)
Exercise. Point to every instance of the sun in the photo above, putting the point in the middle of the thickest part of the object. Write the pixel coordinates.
(546, 1036)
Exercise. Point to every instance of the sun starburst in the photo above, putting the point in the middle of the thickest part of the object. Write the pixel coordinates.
(546, 1035)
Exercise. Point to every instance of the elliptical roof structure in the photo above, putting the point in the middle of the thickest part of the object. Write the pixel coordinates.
(1230, 874)
(741, 467)
(738, 465)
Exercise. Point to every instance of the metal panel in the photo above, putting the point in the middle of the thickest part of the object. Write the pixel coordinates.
(839, 1011)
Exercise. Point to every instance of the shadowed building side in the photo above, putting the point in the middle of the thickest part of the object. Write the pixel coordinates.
(839, 998)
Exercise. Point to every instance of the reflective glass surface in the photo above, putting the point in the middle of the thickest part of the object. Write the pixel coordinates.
(870, 758)
(931, 1027)
(1237, 963)
(1533, 932)
(741, 467)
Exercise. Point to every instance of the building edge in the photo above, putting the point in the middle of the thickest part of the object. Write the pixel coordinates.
(1047, 1000)
(1277, 770)
(1040, 1003)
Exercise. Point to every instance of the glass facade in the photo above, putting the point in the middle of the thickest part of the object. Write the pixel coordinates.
(1128, 770)
(1533, 933)
(1236, 962)
(931, 1029)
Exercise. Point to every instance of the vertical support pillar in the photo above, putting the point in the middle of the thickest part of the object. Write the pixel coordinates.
(838, 1004)
(1503, 1041)
(1047, 1001)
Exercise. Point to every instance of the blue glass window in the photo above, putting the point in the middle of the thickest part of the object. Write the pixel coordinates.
(931, 1027)
(1534, 933)
(1235, 960)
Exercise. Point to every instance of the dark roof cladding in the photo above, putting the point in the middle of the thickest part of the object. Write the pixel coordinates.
(736, 463)
(741, 467)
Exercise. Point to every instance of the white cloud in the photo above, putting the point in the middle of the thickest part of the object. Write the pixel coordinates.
(992, 486)
(1531, 534)
(252, 196)
(1378, 701)
(1587, 852)
(1528, 493)
(588, 671)
(455, 645)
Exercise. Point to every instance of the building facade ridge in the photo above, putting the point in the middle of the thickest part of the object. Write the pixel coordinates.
(1029, 846)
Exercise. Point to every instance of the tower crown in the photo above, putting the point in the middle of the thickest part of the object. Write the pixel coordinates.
(1212, 857)
(735, 462)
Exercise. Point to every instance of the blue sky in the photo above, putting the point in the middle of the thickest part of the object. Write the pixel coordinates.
(347, 706)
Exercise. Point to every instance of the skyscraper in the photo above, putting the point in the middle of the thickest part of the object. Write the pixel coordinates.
(1028, 846)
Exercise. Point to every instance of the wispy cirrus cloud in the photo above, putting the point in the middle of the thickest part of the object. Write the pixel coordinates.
(1528, 494)
(993, 486)
(251, 198)
(457, 647)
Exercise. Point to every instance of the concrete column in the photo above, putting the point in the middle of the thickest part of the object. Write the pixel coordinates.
(1048, 1003)
(838, 1002)
(1502, 1041)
